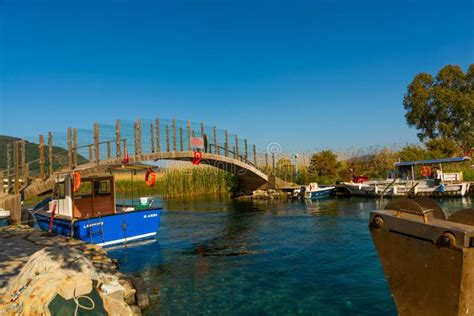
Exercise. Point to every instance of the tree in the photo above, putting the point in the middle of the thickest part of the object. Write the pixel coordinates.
(324, 164)
(443, 148)
(414, 152)
(443, 106)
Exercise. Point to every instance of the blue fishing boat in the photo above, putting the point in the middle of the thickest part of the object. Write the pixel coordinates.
(314, 191)
(86, 209)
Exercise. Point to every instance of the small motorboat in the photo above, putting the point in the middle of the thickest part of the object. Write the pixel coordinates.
(313, 191)
(87, 210)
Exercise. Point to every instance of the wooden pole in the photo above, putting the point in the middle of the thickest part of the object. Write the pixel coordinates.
(69, 148)
(75, 163)
(41, 156)
(173, 127)
(90, 153)
(202, 129)
(50, 154)
(152, 137)
(216, 147)
(226, 144)
(9, 163)
(138, 137)
(254, 155)
(17, 167)
(158, 138)
(24, 167)
(96, 142)
(109, 154)
(167, 138)
(237, 147)
(188, 127)
(266, 160)
(181, 142)
(118, 149)
(246, 155)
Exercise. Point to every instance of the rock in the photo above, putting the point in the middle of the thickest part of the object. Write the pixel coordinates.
(142, 293)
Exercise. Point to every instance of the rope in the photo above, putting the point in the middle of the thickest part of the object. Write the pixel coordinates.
(79, 305)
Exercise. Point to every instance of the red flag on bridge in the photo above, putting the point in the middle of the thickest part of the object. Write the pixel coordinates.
(197, 158)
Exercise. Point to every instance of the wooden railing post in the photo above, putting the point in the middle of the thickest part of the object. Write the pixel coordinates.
(173, 127)
(158, 135)
(90, 153)
(246, 155)
(69, 148)
(138, 137)
(237, 147)
(96, 142)
(226, 144)
(181, 143)
(254, 155)
(152, 137)
(75, 162)
(24, 166)
(266, 160)
(17, 167)
(41, 156)
(50, 154)
(109, 154)
(9, 164)
(202, 129)
(118, 149)
(188, 127)
(167, 138)
(216, 147)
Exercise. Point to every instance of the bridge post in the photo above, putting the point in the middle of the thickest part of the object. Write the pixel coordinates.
(69, 148)
(9, 163)
(246, 156)
(24, 166)
(17, 167)
(266, 162)
(167, 138)
(158, 136)
(254, 155)
(226, 144)
(188, 127)
(96, 142)
(118, 150)
(173, 128)
(216, 147)
(181, 144)
(90, 153)
(50, 154)
(152, 136)
(75, 163)
(108, 150)
(202, 129)
(236, 147)
(138, 137)
(41, 156)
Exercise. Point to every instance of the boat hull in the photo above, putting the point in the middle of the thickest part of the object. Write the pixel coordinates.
(320, 193)
(106, 230)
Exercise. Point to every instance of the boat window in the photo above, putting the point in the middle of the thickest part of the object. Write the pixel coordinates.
(85, 190)
(59, 191)
(102, 187)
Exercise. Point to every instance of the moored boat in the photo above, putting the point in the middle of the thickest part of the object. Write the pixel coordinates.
(314, 191)
(87, 210)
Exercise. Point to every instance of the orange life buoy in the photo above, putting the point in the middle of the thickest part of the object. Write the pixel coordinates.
(425, 171)
(77, 181)
(150, 177)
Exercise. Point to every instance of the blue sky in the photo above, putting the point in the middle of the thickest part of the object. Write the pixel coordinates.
(307, 74)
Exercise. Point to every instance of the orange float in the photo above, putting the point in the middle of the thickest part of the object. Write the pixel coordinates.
(77, 181)
(425, 171)
(150, 177)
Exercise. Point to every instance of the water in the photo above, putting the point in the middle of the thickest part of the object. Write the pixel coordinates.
(217, 256)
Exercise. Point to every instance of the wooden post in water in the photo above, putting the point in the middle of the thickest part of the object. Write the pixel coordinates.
(236, 147)
(173, 127)
(41, 156)
(9, 163)
(158, 135)
(50, 154)
(138, 137)
(118, 149)
(96, 142)
(69, 148)
(16, 163)
(75, 162)
(188, 127)
(254, 155)
(181, 143)
(246, 155)
(216, 147)
(152, 137)
(167, 138)
(24, 166)
(226, 143)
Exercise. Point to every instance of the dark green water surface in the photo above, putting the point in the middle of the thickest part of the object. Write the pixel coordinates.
(217, 256)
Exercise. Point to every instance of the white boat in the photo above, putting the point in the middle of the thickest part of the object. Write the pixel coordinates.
(313, 191)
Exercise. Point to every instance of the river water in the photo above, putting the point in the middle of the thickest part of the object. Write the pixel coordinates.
(218, 256)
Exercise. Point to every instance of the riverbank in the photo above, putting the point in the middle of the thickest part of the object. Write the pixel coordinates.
(40, 273)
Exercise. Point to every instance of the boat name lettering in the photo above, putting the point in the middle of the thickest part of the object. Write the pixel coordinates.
(150, 215)
(93, 224)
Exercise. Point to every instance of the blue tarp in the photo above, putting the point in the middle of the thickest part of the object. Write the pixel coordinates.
(430, 161)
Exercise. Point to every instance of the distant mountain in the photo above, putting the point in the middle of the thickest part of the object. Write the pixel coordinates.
(60, 157)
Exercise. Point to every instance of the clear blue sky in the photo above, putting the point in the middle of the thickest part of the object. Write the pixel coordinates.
(308, 74)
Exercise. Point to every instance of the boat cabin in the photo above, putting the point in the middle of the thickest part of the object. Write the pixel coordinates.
(407, 169)
(94, 196)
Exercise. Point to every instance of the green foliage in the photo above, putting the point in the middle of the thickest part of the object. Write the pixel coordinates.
(324, 164)
(414, 152)
(443, 106)
(443, 148)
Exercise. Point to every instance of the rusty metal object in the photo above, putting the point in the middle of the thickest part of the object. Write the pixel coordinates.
(427, 259)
